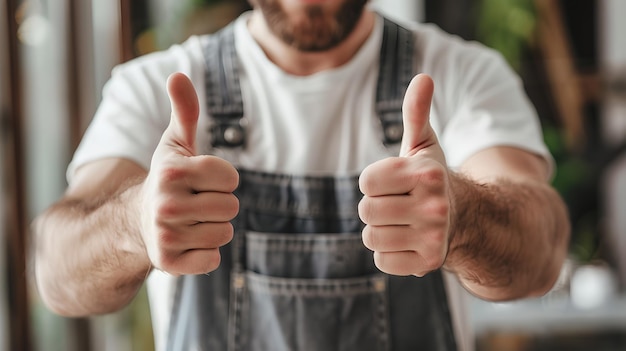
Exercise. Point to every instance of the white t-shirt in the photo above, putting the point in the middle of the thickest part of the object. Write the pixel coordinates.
(321, 124)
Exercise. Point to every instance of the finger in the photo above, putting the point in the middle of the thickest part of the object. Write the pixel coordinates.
(404, 210)
(416, 115)
(399, 175)
(198, 261)
(389, 176)
(400, 263)
(212, 207)
(387, 210)
(196, 208)
(403, 263)
(198, 236)
(390, 238)
(181, 132)
(196, 174)
(430, 242)
(210, 173)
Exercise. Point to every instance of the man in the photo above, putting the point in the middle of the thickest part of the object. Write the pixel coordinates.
(462, 188)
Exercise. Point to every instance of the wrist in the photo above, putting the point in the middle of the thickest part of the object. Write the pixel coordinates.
(133, 243)
(457, 192)
(463, 222)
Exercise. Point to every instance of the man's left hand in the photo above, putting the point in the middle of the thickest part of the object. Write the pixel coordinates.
(408, 204)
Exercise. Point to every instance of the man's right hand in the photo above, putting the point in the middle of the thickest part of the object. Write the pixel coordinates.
(187, 200)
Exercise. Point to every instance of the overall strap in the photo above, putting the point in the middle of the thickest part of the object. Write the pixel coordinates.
(223, 91)
(395, 73)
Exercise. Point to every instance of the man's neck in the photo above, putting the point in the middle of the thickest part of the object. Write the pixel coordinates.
(301, 63)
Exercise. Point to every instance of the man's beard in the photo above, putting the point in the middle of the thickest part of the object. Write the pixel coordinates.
(316, 29)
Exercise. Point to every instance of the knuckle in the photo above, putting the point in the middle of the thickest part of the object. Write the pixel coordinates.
(168, 208)
(439, 208)
(165, 238)
(432, 176)
(437, 238)
(171, 174)
(167, 262)
(396, 164)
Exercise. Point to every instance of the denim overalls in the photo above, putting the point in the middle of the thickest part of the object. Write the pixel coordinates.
(296, 275)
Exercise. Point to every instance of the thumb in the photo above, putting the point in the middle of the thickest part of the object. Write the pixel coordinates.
(415, 115)
(185, 109)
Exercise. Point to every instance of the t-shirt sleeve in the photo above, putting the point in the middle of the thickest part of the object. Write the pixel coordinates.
(135, 109)
(481, 103)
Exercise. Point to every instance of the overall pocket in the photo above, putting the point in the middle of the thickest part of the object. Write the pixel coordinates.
(308, 292)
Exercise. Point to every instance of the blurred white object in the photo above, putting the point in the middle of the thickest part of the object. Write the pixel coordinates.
(404, 10)
(592, 286)
(612, 57)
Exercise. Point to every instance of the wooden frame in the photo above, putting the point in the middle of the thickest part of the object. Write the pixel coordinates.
(16, 226)
(126, 35)
(565, 82)
(79, 329)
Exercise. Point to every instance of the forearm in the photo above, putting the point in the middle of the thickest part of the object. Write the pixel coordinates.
(89, 257)
(508, 239)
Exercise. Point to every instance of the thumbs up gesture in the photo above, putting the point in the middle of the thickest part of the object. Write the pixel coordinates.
(187, 199)
(407, 203)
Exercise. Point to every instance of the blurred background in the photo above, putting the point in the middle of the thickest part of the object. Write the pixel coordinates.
(55, 55)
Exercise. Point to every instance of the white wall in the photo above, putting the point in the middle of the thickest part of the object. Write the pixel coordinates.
(106, 48)
(44, 58)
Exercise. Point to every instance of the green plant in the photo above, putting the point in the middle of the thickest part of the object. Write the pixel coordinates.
(507, 26)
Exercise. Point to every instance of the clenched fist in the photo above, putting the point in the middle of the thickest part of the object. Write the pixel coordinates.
(187, 199)
(407, 203)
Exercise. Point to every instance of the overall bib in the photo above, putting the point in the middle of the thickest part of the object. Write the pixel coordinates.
(296, 275)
